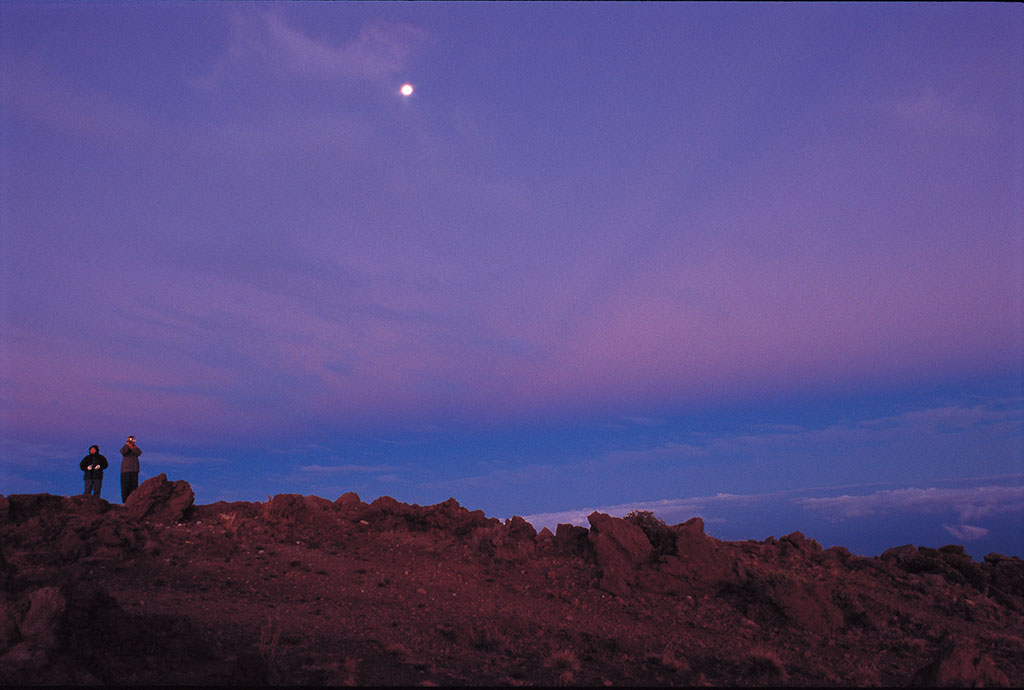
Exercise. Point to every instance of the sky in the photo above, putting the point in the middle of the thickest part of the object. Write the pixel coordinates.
(760, 263)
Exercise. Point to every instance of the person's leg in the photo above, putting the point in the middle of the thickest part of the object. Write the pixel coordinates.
(88, 487)
(97, 485)
(129, 483)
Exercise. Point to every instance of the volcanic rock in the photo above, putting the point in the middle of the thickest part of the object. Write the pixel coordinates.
(159, 500)
(302, 590)
(294, 509)
(41, 623)
(961, 665)
(347, 500)
(620, 547)
(521, 530)
(572, 540)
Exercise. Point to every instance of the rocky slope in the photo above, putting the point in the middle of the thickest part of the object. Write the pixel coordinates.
(303, 590)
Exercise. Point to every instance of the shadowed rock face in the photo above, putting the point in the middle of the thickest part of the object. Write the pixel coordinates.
(159, 500)
(301, 589)
(620, 548)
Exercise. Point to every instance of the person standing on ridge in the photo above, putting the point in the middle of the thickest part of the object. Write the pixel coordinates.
(129, 468)
(93, 465)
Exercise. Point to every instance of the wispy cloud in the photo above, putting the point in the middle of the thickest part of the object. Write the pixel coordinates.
(993, 420)
(968, 503)
(966, 532)
(35, 454)
(669, 510)
(33, 90)
(156, 459)
(269, 40)
(644, 421)
(334, 469)
(943, 113)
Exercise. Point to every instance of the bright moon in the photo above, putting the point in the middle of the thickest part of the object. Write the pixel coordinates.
(406, 89)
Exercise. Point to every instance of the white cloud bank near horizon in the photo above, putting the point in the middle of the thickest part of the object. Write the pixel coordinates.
(969, 504)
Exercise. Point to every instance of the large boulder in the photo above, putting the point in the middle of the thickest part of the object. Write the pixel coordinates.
(159, 500)
(620, 548)
(22, 507)
(521, 530)
(1005, 575)
(571, 540)
(294, 509)
(447, 517)
(42, 622)
(8, 623)
(699, 561)
(348, 500)
(797, 543)
(452, 518)
(951, 562)
(808, 604)
(961, 665)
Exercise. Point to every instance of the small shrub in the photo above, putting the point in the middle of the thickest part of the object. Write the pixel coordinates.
(230, 522)
(270, 635)
(565, 664)
(853, 612)
(670, 659)
(350, 668)
(486, 638)
(661, 536)
(781, 579)
(764, 664)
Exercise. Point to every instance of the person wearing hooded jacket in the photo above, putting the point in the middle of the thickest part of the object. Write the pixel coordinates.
(129, 468)
(93, 465)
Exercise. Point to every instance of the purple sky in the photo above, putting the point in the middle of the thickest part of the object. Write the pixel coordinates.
(758, 262)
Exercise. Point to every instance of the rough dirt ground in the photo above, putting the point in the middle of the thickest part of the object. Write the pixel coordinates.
(300, 590)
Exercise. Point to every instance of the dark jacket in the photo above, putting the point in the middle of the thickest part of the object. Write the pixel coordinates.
(130, 458)
(93, 459)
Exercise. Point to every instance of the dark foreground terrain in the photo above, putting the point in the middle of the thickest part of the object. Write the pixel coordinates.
(302, 590)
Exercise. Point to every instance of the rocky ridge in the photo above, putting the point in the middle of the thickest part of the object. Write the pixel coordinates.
(304, 590)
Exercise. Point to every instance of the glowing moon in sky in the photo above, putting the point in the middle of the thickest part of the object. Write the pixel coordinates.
(406, 89)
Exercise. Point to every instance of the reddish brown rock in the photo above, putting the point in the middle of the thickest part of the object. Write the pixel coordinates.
(961, 665)
(71, 546)
(21, 507)
(158, 500)
(572, 540)
(797, 541)
(293, 509)
(520, 530)
(348, 499)
(311, 594)
(42, 621)
(620, 547)
(807, 604)
(898, 553)
(694, 524)
(1005, 575)
(8, 623)
(698, 560)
